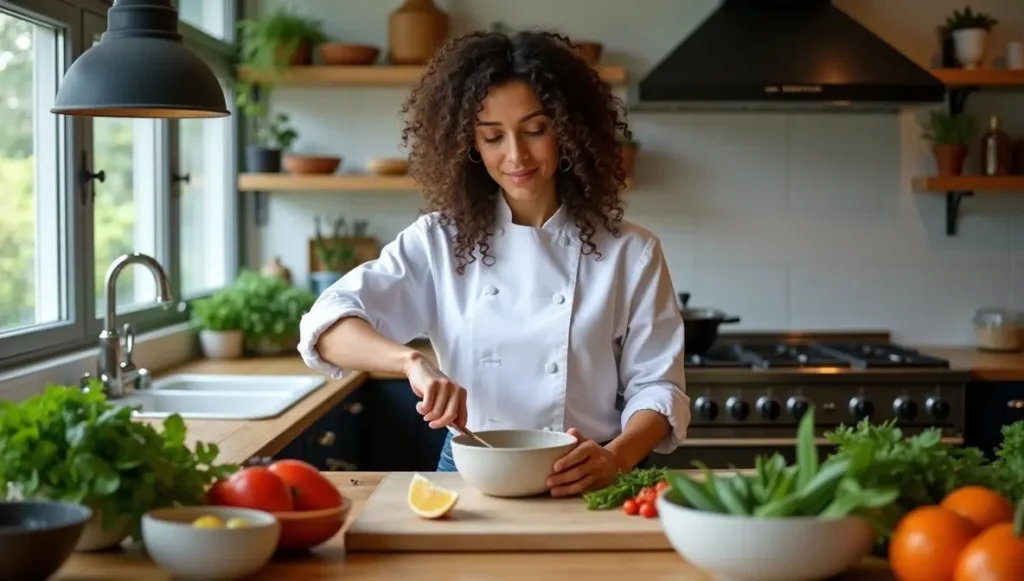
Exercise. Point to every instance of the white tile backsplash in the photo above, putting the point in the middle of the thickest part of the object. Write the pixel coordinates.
(801, 221)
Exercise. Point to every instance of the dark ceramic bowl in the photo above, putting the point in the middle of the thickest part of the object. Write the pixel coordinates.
(38, 537)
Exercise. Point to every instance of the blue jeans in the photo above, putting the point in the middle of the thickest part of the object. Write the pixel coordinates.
(446, 463)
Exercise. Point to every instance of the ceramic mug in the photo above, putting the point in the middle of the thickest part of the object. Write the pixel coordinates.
(1015, 55)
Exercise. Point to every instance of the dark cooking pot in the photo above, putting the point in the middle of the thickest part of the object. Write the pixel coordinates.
(701, 325)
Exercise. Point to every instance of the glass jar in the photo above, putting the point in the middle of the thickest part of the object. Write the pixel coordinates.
(997, 330)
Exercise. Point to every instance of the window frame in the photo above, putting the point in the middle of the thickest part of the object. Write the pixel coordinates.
(78, 20)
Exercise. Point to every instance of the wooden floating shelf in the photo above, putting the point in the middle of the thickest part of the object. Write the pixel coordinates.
(282, 182)
(969, 183)
(376, 75)
(960, 78)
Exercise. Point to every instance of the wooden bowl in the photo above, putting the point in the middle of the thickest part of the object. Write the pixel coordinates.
(310, 164)
(302, 530)
(340, 53)
(388, 166)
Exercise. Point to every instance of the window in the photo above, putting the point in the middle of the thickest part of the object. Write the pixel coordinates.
(213, 17)
(79, 192)
(206, 195)
(32, 258)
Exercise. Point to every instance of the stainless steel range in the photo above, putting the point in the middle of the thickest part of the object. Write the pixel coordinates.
(749, 391)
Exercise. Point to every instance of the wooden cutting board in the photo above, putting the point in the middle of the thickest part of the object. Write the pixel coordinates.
(485, 523)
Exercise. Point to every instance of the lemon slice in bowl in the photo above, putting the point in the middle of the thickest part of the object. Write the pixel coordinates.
(429, 500)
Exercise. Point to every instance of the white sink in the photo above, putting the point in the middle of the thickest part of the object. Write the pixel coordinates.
(221, 397)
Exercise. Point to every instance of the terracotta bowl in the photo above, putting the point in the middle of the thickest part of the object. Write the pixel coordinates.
(388, 166)
(339, 53)
(310, 164)
(302, 530)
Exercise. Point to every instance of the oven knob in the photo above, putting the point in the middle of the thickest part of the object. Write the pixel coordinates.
(706, 408)
(798, 406)
(738, 408)
(904, 408)
(937, 407)
(861, 408)
(769, 408)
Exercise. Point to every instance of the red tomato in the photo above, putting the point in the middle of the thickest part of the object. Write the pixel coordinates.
(648, 510)
(631, 507)
(254, 487)
(310, 490)
(662, 485)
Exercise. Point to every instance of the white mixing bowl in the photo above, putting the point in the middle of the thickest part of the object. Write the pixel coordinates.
(519, 463)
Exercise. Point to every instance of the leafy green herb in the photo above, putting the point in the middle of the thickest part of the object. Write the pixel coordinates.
(75, 446)
(627, 485)
(831, 489)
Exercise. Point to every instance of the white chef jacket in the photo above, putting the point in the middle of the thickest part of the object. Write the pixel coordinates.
(543, 338)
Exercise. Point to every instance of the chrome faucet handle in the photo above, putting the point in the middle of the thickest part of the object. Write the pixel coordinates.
(129, 347)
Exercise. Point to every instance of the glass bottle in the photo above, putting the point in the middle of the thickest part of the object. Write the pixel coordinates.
(995, 149)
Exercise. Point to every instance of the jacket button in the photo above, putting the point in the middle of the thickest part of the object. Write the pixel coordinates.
(551, 368)
(559, 299)
(490, 290)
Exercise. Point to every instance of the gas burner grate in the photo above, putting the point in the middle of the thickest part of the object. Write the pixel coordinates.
(722, 356)
(874, 355)
(775, 355)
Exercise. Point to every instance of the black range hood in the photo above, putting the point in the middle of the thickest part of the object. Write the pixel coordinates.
(785, 54)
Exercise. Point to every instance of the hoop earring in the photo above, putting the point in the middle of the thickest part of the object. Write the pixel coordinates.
(567, 161)
(469, 154)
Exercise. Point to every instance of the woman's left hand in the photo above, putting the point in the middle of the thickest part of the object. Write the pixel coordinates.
(588, 466)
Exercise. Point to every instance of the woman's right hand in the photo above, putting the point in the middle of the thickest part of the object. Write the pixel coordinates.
(443, 402)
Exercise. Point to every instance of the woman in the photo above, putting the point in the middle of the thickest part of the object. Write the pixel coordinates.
(546, 309)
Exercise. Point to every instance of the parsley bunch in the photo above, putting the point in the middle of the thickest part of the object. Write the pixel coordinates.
(71, 445)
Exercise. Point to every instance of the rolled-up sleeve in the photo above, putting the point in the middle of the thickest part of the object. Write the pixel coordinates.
(393, 293)
(651, 361)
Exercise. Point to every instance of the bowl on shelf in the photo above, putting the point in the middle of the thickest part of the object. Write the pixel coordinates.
(388, 166)
(518, 463)
(302, 530)
(341, 53)
(764, 549)
(310, 164)
(176, 544)
(37, 537)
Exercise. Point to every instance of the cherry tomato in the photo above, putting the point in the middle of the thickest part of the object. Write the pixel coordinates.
(662, 485)
(648, 510)
(645, 495)
(631, 507)
(310, 490)
(254, 487)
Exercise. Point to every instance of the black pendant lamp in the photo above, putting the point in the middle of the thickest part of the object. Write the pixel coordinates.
(141, 68)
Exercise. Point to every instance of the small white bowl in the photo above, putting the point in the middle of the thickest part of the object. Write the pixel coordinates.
(196, 553)
(765, 549)
(518, 465)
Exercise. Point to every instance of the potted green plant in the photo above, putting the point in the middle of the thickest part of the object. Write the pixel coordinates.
(219, 318)
(950, 136)
(274, 136)
(73, 445)
(335, 255)
(268, 45)
(272, 310)
(970, 31)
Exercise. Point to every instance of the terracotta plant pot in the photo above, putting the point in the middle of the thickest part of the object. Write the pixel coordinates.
(310, 164)
(588, 51)
(303, 54)
(950, 159)
(415, 31)
(339, 53)
(628, 151)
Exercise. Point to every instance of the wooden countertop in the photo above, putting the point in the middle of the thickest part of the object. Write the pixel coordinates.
(982, 365)
(240, 440)
(329, 561)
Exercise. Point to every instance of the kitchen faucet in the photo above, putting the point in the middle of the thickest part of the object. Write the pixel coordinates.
(112, 372)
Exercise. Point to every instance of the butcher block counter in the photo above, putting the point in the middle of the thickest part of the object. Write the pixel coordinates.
(330, 561)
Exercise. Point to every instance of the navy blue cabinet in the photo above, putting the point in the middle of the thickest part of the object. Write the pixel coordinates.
(989, 406)
(333, 442)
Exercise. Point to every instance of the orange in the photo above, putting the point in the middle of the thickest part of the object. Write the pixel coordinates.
(982, 506)
(995, 555)
(927, 542)
(428, 500)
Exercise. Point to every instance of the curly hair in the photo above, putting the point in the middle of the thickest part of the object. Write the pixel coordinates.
(441, 114)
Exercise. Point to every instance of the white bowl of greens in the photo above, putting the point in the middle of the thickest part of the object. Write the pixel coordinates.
(803, 522)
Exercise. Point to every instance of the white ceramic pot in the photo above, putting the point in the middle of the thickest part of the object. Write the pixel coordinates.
(222, 344)
(970, 46)
(97, 538)
(736, 548)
